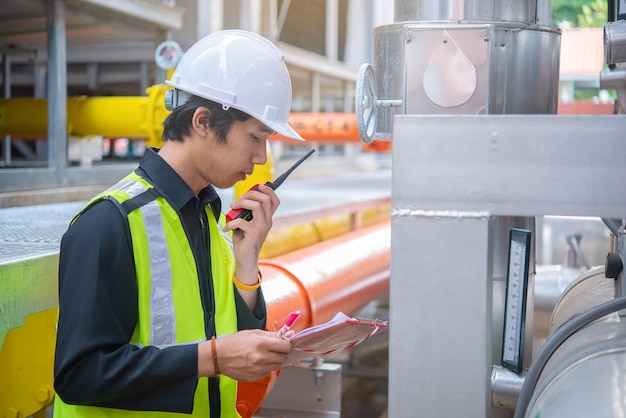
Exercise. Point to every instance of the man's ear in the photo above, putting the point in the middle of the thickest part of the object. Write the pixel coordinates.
(200, 121)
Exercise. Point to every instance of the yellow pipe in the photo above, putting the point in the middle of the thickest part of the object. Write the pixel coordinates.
(23, 117)
(112, 117)
(284, 240)
(140, 118)
(120, 117)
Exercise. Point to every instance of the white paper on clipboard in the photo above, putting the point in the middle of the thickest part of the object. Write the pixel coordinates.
(340, 333)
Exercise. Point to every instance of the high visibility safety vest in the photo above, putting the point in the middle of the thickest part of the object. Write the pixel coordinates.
(170, 307)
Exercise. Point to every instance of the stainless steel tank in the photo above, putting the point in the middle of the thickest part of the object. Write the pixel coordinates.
(461, 10)
(464, 57)
(550, 283)
(586, 375)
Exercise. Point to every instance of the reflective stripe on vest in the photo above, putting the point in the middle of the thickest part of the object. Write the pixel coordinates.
(162, 317)
(162, 258)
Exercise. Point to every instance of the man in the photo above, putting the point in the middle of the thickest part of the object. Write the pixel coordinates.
(149, 274)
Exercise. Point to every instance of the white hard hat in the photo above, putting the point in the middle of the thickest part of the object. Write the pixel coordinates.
(239, 69)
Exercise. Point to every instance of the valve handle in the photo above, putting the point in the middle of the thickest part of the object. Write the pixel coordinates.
(367, 103)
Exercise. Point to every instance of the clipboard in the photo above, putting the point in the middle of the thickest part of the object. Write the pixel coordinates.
(340, 333)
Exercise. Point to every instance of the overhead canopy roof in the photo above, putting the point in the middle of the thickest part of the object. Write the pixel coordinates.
(118, 35)
(87, 22)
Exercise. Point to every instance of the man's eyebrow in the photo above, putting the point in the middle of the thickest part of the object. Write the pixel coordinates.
(266, 130)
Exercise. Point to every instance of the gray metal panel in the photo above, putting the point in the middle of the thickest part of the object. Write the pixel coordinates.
(456, 58)
(510, 164)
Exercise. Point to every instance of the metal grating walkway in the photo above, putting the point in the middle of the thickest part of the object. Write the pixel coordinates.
(30, 231)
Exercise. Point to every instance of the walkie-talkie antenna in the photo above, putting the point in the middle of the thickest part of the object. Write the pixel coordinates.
(274, 184)
(246, 213)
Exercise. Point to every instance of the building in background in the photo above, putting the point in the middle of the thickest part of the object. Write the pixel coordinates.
(582, 60)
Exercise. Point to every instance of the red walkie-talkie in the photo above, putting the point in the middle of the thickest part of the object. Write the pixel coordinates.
(246, 213)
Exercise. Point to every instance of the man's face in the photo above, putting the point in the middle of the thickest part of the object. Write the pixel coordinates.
(227, 162)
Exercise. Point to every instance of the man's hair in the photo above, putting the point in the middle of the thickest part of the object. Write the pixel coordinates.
(177, 123)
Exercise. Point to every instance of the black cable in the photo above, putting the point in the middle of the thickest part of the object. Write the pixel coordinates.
(611, 14)
(553, 343)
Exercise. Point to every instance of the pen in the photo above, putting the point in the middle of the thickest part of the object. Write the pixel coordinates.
(287, 323)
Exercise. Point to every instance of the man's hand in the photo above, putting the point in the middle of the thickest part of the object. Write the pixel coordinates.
(262, 202)
(246, 356)
(249, 236)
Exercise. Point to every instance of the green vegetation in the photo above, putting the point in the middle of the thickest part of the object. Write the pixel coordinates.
(584, 14)
(579, 13)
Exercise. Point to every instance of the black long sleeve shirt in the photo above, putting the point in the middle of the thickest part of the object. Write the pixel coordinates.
(94, 362)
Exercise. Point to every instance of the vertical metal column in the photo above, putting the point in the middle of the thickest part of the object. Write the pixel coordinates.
(232, 14)
(209, 17)
(440, 311)
(57, 89)
(332, 29)
(316, 86)
(6, 81)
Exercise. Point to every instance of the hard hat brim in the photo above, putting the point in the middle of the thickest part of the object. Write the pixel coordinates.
(284, 129)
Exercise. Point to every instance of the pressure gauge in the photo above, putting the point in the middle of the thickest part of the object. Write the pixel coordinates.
(515, 303)
(167, 55)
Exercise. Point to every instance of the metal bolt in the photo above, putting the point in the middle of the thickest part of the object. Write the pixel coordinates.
(13, 412)
(43, 394)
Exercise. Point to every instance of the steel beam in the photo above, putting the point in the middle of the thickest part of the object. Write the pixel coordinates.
(524, 165)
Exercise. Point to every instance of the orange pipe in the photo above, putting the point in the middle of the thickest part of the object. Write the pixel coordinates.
(331, 128)
(340, 274)
(323, 127)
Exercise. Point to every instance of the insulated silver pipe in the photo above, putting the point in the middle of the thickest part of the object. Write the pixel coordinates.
(614, 79)
(615, 42)
(505, 388)
(524, 11)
